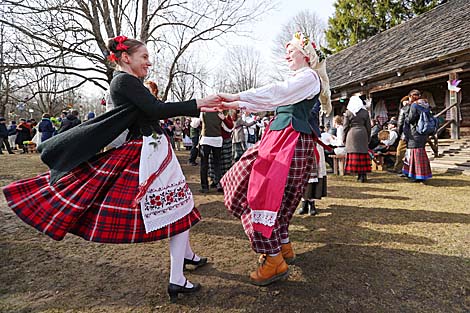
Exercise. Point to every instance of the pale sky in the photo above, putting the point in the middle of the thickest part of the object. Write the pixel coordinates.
(287, 9)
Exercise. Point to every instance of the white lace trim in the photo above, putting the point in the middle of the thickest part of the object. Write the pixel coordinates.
(264, 217)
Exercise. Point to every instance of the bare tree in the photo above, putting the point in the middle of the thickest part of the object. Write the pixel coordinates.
(77, 31)
(242, 70)
(306, 22)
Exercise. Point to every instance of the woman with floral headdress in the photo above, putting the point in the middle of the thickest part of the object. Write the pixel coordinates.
(133, 193)
(265, 186)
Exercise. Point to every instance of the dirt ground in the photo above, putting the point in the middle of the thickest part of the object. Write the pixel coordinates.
(385, 246)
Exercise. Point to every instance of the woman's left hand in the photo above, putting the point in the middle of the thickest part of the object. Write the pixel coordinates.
(212, 101)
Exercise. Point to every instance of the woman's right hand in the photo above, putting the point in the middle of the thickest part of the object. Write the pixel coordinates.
(228, 97)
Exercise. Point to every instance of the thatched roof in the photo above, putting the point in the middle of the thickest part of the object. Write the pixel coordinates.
(440, 32)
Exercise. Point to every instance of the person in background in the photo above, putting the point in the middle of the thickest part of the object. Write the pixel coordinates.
(238, 135)
(178, 134)
(317, 182)
(250, 131)
(194, 133)
(4, 136)
(416, 165)
(70, 121)
(24, 134)
(90, 116)
(210, 143)
(357, 132)
(45, 127)
(226, 152)
(12, 134)
(187, 142)
(402, 117)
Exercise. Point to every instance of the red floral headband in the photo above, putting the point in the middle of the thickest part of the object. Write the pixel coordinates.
(120, 47)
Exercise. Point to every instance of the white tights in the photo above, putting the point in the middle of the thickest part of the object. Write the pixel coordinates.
(179, 250)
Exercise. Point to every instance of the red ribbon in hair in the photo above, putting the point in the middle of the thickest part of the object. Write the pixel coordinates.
(121, 47)
(112, 57)
(120, 40)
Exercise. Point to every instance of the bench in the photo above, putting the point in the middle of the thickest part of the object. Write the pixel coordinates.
(378, 159)
(339, 161)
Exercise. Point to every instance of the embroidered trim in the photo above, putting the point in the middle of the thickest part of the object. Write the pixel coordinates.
(264, 217)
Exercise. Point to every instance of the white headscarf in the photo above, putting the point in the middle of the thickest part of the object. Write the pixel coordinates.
(355, 104)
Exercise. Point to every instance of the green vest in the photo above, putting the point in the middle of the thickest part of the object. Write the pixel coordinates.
(297, 114)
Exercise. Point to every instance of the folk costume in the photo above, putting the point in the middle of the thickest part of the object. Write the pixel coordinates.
(264, 187)
(357, 131)
(317, 181)
(111, 197)
(416, 164)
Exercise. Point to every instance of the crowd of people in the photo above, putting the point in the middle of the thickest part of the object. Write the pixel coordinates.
(395, 141)
(116, 178)
(17, 136)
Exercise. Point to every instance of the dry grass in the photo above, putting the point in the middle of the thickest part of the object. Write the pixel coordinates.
(384, 246)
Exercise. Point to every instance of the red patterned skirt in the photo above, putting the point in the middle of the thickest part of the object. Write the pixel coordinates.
(359, 163)
(417, 164)
(94, 201)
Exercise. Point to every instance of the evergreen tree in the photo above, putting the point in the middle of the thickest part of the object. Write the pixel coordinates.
(357, 20)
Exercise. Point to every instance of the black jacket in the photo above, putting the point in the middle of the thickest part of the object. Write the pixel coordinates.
(69, 122)
(136, 109)
(402, 118)
(414, 140)
(3, 131)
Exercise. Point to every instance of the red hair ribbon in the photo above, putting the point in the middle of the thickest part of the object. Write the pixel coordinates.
(121, 47)
(120, 39)
(112, 57)
(314, 46)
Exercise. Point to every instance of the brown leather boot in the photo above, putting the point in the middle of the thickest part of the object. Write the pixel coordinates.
(288, 253)
(273, 269)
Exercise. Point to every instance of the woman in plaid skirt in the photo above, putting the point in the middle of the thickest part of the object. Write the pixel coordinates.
(416, 164)
(113, 197)
(264, 187)
(357, 131)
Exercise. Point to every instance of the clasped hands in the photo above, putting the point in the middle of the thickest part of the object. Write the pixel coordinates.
(218, 102)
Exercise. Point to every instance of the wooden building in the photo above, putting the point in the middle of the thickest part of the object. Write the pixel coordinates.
(422, 53)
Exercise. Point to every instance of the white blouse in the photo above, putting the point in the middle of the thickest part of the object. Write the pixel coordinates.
(303, 84)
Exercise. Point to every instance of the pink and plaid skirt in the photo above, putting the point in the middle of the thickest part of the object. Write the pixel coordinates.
(359, 163)
(235, 185)
(417, 164)
(94, 201)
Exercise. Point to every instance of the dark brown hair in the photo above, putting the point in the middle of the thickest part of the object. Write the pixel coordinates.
(133, 45)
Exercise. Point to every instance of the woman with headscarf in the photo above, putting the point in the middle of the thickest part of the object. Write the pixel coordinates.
(265, 186)
(357, 131)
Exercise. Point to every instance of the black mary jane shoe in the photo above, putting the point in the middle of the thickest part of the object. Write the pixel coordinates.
(174, 290)
(201, 262)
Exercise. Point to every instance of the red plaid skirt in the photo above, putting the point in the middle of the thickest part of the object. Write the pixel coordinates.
(359, 163)
(94, 201)
(417, 164)
(235, 184)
